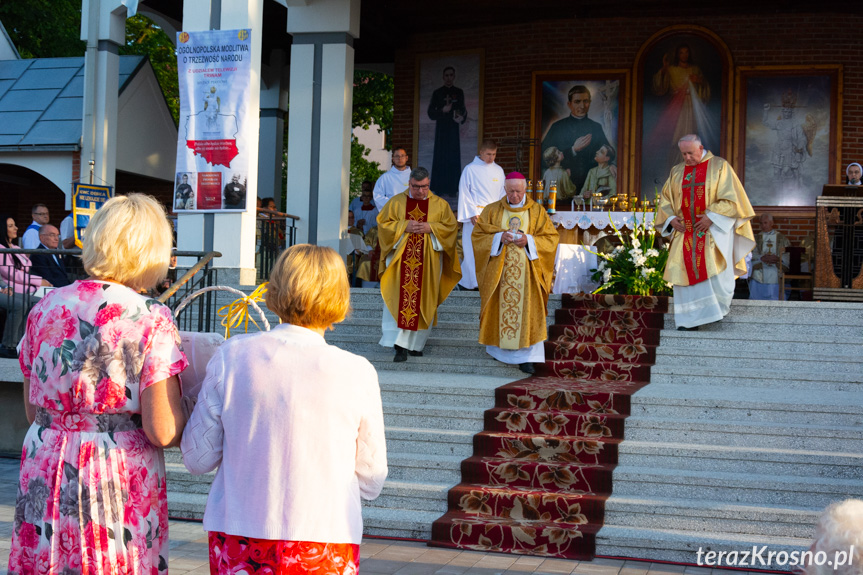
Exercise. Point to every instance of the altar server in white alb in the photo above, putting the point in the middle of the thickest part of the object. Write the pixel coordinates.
(481, 184)
(394, 181)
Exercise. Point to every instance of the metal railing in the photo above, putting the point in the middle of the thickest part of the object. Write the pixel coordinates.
(276, 231)
(20, 288)
(200, 315)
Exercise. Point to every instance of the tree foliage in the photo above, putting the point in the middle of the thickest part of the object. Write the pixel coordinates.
(44, 28)
(361, 167)
(373, 105)
(144, 38)
(373, 101)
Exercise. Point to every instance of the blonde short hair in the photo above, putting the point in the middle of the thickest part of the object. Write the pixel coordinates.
(129, 240)
(309, 287)
(839, 529)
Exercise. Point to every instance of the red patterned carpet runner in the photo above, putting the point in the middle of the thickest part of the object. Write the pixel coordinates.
(542, 467)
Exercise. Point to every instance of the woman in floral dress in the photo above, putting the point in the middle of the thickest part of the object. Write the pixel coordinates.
(100, 388)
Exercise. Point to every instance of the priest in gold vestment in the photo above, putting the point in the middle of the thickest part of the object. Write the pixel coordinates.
(706, 210)
(514, 243)
(418, 266)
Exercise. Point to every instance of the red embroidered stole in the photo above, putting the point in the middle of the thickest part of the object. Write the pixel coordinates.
(411, 276)
(694, 204)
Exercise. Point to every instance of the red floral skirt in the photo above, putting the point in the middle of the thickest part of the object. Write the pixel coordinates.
(230, 554)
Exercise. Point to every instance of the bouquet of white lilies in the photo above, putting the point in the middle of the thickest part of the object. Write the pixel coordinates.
(634, 267)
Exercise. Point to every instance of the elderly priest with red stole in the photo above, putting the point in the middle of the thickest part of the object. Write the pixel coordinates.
(514, 243)
(419, 266)
(705, 208)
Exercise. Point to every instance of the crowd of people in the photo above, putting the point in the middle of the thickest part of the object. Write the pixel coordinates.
(105, 372)
(22, 277)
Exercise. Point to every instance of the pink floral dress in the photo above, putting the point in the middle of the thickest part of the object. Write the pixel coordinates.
(91, 493)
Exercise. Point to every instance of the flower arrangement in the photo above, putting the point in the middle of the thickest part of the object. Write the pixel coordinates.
(636, 266)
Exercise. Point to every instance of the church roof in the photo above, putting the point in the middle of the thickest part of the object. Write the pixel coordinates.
(42, 101)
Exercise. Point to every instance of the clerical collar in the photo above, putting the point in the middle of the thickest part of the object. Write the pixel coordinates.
(518, 205)
(574, 117)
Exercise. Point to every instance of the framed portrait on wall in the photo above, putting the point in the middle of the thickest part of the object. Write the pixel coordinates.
(683, 86)
(447, 116)
(580, 121)
(788, 132)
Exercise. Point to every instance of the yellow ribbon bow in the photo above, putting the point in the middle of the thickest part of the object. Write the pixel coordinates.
(237, 312)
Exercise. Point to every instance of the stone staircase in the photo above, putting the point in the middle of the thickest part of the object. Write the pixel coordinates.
(749, 428)
(433, 407)
(451, 348)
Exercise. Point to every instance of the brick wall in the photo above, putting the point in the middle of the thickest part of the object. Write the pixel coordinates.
(795, 227)
(513, 52)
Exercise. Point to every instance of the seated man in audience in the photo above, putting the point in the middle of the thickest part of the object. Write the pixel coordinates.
(49, 266)
(768, 258)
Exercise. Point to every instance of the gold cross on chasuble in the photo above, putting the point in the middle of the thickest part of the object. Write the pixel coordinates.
(693, 204)
(411, 268)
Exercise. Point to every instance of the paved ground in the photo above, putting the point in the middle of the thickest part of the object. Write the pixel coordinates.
(188, 552)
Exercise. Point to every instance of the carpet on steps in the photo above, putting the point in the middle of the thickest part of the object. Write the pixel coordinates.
(543, 465)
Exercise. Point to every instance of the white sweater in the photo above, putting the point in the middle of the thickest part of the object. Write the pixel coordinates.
(296, 427)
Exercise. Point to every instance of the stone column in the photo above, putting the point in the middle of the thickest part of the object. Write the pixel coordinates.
(319, 126)
(103, 27)
(274, 105)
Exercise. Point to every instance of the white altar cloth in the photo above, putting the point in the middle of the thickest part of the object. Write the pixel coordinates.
(572, 266)
(599, 220)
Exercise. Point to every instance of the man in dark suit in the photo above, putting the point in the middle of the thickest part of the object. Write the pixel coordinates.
(49, 266)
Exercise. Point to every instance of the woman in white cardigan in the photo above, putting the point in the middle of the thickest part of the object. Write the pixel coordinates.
(296, 428)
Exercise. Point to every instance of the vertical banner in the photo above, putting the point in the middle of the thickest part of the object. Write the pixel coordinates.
(214, 68)
(86, 199)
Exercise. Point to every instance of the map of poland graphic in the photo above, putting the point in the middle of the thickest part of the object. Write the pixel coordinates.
(206, 137)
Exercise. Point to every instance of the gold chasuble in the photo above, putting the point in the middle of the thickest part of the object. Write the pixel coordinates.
(418, 278)
(689, 191)
(514, 290)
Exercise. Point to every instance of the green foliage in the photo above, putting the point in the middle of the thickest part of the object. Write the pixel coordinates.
(361, 168)
(373, 101)
(635, 267)
(373, 104)
(144, 38)
(44, 28)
